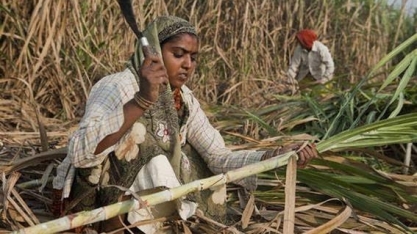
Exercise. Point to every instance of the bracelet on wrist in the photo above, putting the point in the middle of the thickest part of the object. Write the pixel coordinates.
(142, 102)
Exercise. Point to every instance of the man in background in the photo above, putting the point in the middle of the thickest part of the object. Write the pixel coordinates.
(311, 59)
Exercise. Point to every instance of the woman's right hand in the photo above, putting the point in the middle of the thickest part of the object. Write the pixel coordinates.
(305, 152)
(153, 77)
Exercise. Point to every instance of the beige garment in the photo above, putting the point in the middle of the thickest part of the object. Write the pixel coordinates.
(318, 62)
(159, 173)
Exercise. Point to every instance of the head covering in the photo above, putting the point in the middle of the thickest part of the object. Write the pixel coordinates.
(172, 26)
(306, 38)
(158, 31)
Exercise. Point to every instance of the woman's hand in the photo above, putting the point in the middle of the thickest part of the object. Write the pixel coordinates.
(305, 152)
(153, 77)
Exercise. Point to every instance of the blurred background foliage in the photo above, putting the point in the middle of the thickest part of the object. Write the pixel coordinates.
(52, 52)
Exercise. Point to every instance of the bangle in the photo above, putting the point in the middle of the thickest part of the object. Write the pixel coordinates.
(142, 102)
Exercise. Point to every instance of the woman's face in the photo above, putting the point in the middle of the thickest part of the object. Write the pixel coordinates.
(180, 58)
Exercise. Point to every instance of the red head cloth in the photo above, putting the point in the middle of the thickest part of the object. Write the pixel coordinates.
(306, 37)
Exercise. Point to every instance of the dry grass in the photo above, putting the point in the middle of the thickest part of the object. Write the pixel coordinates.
(54, 51)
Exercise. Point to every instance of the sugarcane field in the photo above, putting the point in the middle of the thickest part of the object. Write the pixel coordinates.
(192, 116)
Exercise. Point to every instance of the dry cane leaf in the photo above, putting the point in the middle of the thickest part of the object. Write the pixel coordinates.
(186, 229)
(247, 213)
(290, 183)
(36, 159)
(334, 223)
(8, 185)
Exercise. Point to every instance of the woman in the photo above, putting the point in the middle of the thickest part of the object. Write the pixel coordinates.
(143, 128)
(311, 57)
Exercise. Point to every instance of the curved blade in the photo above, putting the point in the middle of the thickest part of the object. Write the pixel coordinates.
(127, 11)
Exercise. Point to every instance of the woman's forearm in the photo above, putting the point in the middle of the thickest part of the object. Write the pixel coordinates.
(131, 112)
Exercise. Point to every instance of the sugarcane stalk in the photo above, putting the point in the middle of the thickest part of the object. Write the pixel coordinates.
(110, 211)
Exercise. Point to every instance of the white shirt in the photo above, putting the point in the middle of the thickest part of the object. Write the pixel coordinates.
(318, 62)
